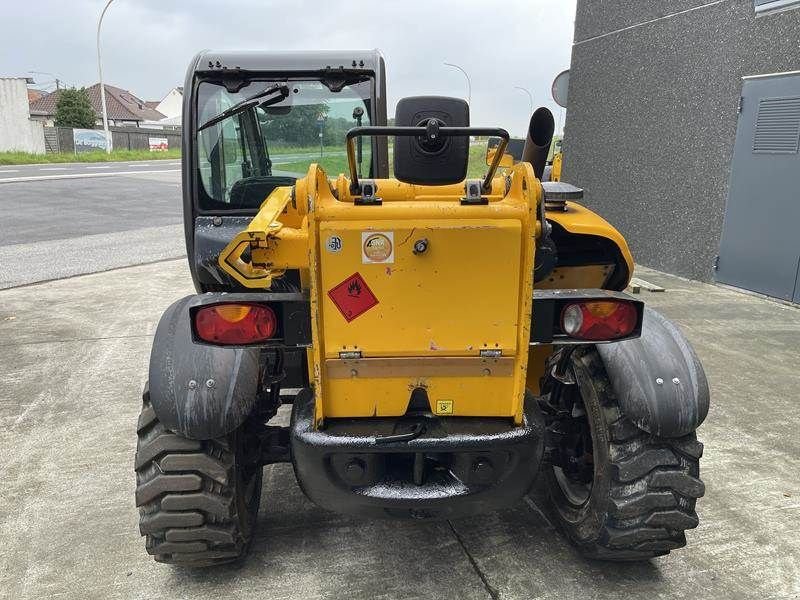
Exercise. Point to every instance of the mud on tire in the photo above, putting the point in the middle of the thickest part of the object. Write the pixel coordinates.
(197, 500)
(644, 489)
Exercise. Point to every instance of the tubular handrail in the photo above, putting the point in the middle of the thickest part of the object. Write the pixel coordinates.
(356, 132)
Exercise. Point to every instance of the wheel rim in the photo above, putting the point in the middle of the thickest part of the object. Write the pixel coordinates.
(576, 483)
(248, 484)
(575, 492)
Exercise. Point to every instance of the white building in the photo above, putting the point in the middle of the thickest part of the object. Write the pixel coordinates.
(17, 131)
(172, 104)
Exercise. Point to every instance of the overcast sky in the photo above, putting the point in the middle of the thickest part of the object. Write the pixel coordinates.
(147, 44)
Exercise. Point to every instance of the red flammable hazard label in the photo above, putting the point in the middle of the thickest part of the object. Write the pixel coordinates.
(352, 297)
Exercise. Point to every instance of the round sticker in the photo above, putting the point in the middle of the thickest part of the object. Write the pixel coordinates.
(334, 244)
(378, 247)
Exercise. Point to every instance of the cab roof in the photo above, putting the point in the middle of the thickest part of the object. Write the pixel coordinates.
(216, 61)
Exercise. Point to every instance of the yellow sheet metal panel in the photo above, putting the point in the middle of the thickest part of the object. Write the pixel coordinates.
(389, 396)
(579, 219)
(580, 276)
(414, 367)
(457, 297)
(469, 289)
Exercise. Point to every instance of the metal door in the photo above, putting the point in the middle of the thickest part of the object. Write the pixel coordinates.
(760, 245)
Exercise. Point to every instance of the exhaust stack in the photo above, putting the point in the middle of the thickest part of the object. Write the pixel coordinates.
(540, 136)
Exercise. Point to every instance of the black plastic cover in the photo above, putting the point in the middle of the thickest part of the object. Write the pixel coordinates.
(418, 162)
(658, 379)
(205, 391)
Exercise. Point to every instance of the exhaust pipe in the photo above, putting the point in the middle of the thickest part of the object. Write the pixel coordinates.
(540, 136)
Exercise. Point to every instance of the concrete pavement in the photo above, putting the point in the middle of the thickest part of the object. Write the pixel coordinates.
(74, 357)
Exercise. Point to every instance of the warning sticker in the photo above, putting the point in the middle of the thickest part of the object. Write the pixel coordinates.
(444, 407)
(352, 297)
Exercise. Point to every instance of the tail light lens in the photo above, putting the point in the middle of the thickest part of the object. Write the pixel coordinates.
(599, 320)
(235, 324)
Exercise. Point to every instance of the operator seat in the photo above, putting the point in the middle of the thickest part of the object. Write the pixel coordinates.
(251, 192)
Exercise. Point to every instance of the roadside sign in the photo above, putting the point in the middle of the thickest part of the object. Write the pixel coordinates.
(88, 140)
(560, 88)
(158, 144)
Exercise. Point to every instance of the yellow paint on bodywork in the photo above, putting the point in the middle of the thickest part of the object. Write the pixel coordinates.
(471, 290)
(418, 312)
(577, 277)
(580, 220)
(555, 171)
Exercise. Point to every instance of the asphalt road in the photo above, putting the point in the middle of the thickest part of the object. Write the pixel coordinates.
(43, 172)
(74, 357)
(61, 220)
(75, 221)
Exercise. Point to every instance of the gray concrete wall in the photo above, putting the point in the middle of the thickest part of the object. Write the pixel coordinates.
(17, 131)
(652, 119)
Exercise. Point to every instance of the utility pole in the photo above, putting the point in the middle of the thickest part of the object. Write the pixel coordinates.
(100, 75)
(57, 80)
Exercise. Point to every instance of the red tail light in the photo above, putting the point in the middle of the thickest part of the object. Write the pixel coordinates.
(599, 320)
(235, 323)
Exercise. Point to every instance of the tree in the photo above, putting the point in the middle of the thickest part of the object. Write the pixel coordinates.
(299, 127)
(74, 109)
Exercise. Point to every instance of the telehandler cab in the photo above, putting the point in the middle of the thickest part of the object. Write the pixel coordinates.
(446, 342)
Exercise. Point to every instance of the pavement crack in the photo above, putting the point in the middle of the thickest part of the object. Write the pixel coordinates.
(493, 593)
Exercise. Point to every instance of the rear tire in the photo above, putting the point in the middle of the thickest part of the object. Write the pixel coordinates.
(644, 488)
(198, 500)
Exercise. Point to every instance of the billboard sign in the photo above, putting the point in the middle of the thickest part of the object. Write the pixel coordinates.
(158, 144)
(89, 140)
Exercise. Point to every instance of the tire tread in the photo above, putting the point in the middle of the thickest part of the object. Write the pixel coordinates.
(186, 497)
(654, 486)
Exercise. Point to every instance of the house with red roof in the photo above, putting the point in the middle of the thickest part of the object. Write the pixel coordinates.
(124, 108)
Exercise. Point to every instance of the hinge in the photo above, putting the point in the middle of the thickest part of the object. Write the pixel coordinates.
(491, 353)
(350, 355)
(741, 105)
(715, 262)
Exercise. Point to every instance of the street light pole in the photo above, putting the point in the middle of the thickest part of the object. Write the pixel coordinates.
(530, 96)
(100, 75)
(469, 83)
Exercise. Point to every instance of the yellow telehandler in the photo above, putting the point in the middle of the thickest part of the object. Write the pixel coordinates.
(446, 342)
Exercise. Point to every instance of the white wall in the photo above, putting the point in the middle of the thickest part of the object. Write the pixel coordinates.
(17, 131)
(171, 105)
(37, 137)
